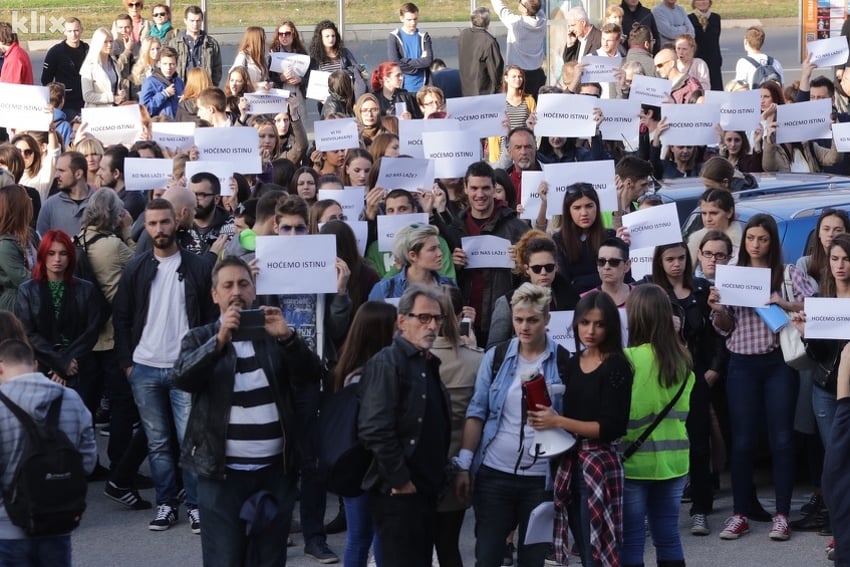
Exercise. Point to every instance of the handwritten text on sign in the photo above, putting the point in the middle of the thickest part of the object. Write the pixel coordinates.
(296, 264)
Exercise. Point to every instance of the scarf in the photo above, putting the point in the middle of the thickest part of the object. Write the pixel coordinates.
(702, 17)
(160, 32)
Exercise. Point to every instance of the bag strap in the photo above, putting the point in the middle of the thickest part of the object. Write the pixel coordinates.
(787, 283)
(26, 419)
(636, 444)
(755, 63)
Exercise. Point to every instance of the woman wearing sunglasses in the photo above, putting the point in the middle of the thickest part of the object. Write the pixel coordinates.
(417, 249)
(161, 27)
(613, 265)
(535, 253)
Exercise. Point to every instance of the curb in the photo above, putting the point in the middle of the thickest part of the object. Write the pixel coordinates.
(357, 33)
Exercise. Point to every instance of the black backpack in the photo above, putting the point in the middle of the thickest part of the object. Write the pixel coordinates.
(765, 72)
(85, 271)
(47, 496)
(342, 457)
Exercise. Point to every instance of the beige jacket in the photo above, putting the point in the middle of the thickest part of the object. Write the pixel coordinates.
(97, 88)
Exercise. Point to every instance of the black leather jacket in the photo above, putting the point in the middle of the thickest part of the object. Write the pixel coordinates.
(209, 376)
(392, 409)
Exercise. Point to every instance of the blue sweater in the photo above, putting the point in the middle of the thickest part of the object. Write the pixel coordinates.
(154, 98)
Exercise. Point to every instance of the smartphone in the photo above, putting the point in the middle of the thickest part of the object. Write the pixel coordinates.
(252, 325)
(465, 325)
(400, 108)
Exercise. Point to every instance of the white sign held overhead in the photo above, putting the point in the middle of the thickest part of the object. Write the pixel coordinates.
(291, 265)
(142, 174)
(113, 124)
(451, 152)
(25, 107)
(486, 252)
(221, 169)
(480, 114)
(650, 90)
(560, 113)
(176, 137)
(350, 199)
(410, 174)
(239, 146)
(740, 110)
(339, 134)
(829, 52)
(600, 174)
(600, 68)
(267, 103)
(410, 134)
(388, 225)
(690, 124)
(653, 226)
(620, 119)
(804, 121)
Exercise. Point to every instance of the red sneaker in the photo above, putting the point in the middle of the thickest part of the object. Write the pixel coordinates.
(735, 527)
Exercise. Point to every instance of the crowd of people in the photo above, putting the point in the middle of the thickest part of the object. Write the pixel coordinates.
(142, 306)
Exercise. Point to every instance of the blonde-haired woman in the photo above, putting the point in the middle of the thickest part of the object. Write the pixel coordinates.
(145, 64)
(102, 76)
(252, 55)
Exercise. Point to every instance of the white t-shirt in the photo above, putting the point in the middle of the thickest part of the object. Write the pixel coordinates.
(166, 322)
(744, 70)
(503, 451)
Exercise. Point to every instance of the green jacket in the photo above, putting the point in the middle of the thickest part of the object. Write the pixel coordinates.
(384, 263)
(664, 455)
(13, 271)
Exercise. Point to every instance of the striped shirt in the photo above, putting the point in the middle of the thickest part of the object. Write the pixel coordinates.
(254, 434)
(331, 65)
(517, 115)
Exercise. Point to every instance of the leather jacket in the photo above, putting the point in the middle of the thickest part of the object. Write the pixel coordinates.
(392, 410)
(209, 376)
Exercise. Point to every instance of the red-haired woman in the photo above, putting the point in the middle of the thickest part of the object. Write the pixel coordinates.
(386, 82)
(62, 315)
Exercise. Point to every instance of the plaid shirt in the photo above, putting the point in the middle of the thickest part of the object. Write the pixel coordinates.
(749, 334)
(603, 475)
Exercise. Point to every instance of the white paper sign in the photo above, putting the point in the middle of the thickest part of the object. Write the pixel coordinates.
(803, 121)
(175, 136)
(317, 85)
(388, 225)
(620, 119)
(841, 135)
(221, 169)
(827, 317)
(339, 134)
(142, 174)
(350, 199)
(740, 110)
(530, 194)
(410, 134)
(406, 173)
(486, 252)
(25, 107)
(560, 328)
(743, 286)
(653, 226)
(452, 152)
(268, 103)
(113, 124)
(641, 261)
(828, 52)
(565, 115)
(600, 68)
(600, 174)
(292, 265)
(239, 146)
(297, 63)
(690, 124)
(361, 233)
(649, 90)
(480, 114)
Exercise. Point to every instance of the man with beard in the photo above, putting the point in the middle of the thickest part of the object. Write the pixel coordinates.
(162, 294)
(522, 151)
(111, 174)
(64, 210)
(241, 432)
(210, 218)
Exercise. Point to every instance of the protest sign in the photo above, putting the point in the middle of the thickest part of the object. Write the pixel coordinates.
(272, 102)
(829, 52)
(480, 114)
(25, 107)
(339, 134)
(176, 137)
(530, 197)
(451, 152)
(650, 90)
(827, 317)
(743, 286)
(113, 124)
(409, 174)
(291, 265)
(221, 169)
(600, 68)
(565, 115)
(388, 225)
(739, 110)
(239, 146)
(410, 134)
(296, 63)
(600, 174)
(620, 119)
(317, 85)
(486, 252)
(142, 174)
(804, 121)
(690, 124)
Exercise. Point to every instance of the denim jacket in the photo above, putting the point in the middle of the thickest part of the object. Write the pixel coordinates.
(490, 394)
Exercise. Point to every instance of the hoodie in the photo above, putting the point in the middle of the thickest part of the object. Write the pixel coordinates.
(34, 393)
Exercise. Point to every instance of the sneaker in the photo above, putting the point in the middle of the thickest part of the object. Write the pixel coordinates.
(780, 531)
(166, 516)
(735, 527)
(194, 520)
(126, 496)
(104, 431)
(320, 551)
(508, 559)
(699, 525)
(830, 550)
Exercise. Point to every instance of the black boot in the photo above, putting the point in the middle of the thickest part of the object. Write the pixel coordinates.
(757, 511)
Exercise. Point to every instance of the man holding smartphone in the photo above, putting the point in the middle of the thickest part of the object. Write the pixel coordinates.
(244, 372)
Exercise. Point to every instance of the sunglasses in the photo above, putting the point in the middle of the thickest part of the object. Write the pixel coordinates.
(426, 318)
(613, 262)
(548, 268)
(717, 256)
(160, 14)
(650, 198)
(298, 229)
(135, 5)
(26, 152)
(660, 65)
(284, 33)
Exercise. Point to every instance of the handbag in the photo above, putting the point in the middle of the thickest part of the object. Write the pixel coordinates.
(636, 444)
(790, 341)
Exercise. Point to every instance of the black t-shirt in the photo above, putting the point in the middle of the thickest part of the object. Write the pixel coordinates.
(62, 64)
(603, 395)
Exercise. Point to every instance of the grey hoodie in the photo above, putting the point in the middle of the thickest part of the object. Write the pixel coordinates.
(34, 393)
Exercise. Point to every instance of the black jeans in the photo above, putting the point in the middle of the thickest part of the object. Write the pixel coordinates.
(699, 434)
(123, 411)
(405, 526)
(313, 483)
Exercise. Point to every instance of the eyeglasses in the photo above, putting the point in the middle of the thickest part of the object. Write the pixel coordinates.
(284, 33)
(369, 110)
(298, 229)
(548, 268)
(431, 103)
(337, 217)
(426, 318)
(660, 65)
(160, 14)
(716, 256)
(613, 262)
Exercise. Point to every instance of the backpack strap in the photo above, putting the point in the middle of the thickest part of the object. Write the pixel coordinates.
(755, 63)
(500, 350)
(26, 419)
(54, 411)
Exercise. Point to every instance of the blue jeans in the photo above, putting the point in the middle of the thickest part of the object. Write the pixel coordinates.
(823, 404)
(36, 552)
(223, 539)
(501, 501)
(659, 501)
(761, 389)
(360, 534)
(161, 405)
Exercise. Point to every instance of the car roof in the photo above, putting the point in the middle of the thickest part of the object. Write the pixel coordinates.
(801, 203)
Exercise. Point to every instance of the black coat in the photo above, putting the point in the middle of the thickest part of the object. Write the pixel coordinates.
(708, 47)
(643, 16)
(591, 46)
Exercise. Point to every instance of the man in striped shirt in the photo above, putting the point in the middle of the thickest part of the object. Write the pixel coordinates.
(243, 377)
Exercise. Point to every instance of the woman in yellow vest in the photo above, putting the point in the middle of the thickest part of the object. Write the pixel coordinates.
(655, 472)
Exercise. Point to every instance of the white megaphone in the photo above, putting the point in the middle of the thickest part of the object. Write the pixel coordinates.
(551, 442)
